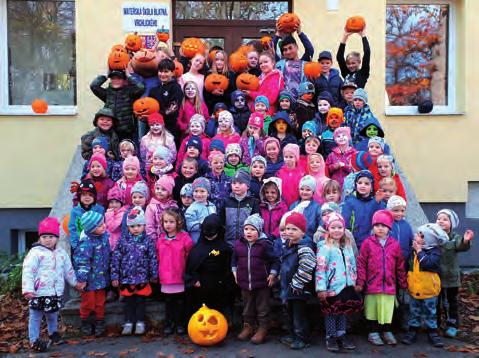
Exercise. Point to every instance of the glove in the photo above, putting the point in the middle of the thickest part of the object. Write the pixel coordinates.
(295, 291)
(74, 187)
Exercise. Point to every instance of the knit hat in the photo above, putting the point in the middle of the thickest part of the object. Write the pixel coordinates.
(102, 141)
(155, 118)
(325, 55)
(256, 119)
(221, 105)
(259, 158)
(195, 142)
(100, 158)
(305, 87)
(214, 155)
(285, 94)
(105, 112)
(342, 130)
(262, 99)
(433, 235)
(293, 149)
(162, 152)
(364, 174)
(87, 186)
(49, 226)
(329, 219)
(269, 140)
(308, 181)
(377, 140)
(360, 93)
(395, 201)
(242, 176)
(255, 221)
(90, 220)
(278, 182)
(131, 161)
(115, 193)
(311, 126)
(166, 182)
(335, 111)
(217, 144)
(384, 217)
(198, 118)
(226, 116)
(330, 207)
(233, 148)
(297, 220)
(187, 190)
(136, 216)
(211, 225)
(142, 188)
(451, 214)
(326, 96)
(201, 182)
(313, 138)
(236, 94)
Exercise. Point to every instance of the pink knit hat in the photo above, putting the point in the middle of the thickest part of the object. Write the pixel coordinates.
(256, 119)
(342, 130)
(271, 140)
(384, 217)
(293, 149)
(49, 226)
(100, 158)
(131, 161)
(166, 182)
(329, 219)
(115, 193)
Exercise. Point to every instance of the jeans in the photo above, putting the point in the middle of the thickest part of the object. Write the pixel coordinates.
(35, 323)
(425, 308)
(298, 318)
(134, 308)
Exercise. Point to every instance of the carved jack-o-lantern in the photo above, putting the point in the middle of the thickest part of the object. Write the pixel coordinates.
(162, 35)
(266, 42)
(145, 106)
(178, 68)
(191, 46)
(120, 48)
(207, 327)
(39, 106)
(238, 62)
(216, 81)
(288, 22)
(355, 24)
(133, 42)
(118, 58)
(312, 69)
(145, 63)
(246, 81)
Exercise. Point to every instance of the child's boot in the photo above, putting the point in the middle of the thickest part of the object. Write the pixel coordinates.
(332, 344)
(86, 327)
(345, 343)
(99, 327)
(55, 339)
(410, 337)
(259, 336)
(40, 346)
(434, 339)
(127, 329)
(246, 332)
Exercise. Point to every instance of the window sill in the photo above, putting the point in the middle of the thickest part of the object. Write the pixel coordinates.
(412, 111)
(27, 111)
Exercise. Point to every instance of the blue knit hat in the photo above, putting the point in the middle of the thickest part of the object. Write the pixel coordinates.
(308, 181)
(259, 158)
(305, 87)
(311, 126)
(163, 153)
(360, 93)
(201, 182)
(142, 188)
(102, 141)
(236, 94)
(90, 220)
(195, 141)
(136, 216)
(187, 190)
(242, 176)
(255, 221)
(286, 94)
(262, 99)
(326, 96)
(218, 145)
(364, 174)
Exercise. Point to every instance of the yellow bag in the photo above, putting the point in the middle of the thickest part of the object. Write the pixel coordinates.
(423, 284)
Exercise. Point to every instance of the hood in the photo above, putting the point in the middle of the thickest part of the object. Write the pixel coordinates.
(371, 120)
(284, 116)
(278, 183)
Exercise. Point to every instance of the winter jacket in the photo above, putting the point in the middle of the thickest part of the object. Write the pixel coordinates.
(233, 214)
(172, 255)
(194, 216)
(45, 271)
(320, 120)
(205, 141)
(116, 169)
(327, 141)
(290, 186)
(74, 224)
(402, 232)
(220, 188)
(359, 77)
(335, 268)
(331, 84)
(154, 211)
(88, 137)
(149, 143)
(148, 82)
(227, 138)
(423, 276)
(212, 126)
(273, 168)
(362, 144)
(253, 263)
(126, 186)
(113, 219)
(450, 271)
(298, 262)
(272, 215)
(102, 186)
(381, 269)
(255, 187)
(240, 118)
(312, 212)
(269, 85)
(355, 119)
(134, 260)
(187, 110)
(358, 213)
(230, 170)
(169, 94)
(336, 171)
(251, 148)
(120, 100)
(91, 260)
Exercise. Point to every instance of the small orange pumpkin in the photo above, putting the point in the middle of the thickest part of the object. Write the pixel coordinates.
(191, 46)
(211, 56)
(244, 49)
(355, 24)
(266, 42)
(288, 22)
(207, 327)
(39, 106)
(178, 68)
(216, 81)
(133, 42)
(238, 62)
(246, 81)
(118, 59)
(145, 106)
(65, 223)
(162, 35)
(312, 69)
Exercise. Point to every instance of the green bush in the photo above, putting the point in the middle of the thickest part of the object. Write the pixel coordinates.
(11, 273)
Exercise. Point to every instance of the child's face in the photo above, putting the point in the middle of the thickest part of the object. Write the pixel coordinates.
(156, 128)
(138, 199)
(341, 139)
(250, 233)
(325, 65)
(385, 168)
(186, 200)
(217, 165)
(282, 233)
(388, 191)
(336, 230)
(48, 240)
(130, 172)
(161, 193)
(444, 222)
(87, 198)
(305, 133)
(372, 131)
(399, 212)
(136, 230)
(381, 230)
(272, 152)
(188, 170)
(190, 91)
(294, 233)
(252, 59)
(315, 164)
(305, 193)
(100, 229)
(323, 106)
(98, 149)
(114, 204)
(165, 75)
(290, 51)
(233, 159)
(311, 147)
(219, 61)
(257, 169)
(281, 126)
(196, 129)
(334, 121)
(364, 186)
(308, 97)
(358, 103)
(352, 63)
(348, 94)
(289, 160)
(104, 123)
(260, 107)
(238, 188)
(375, 149)
(96, 170)
(285, 104)
(169, 224)
(252, 130)
(159, 162)
(192, 152)
(117, 82)
(125, 152)
(224, 124)
(271, 194)
(200, 195)
(240, 102)
(266, 64)
(332, 196)
(197, 62)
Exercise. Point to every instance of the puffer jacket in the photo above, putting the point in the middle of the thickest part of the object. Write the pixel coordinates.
(88, 137)
(120, 100)
(423, 276)
(381, 269)
(134, 260)
(74, 224)
(153, 213)
(45, 271)
(194, 216)
(220, 188)
(269, 85)
(172, 256)
(336, 171)
(450, 272)
(331, 84)
(312, 212)
(257, 148)
(335, 268)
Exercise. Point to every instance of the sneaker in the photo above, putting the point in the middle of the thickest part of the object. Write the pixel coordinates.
(409, 338)
(287, 340)
(451, 332)
(375, 339)
(435, 340)
(56, 339)
(298, 344)
(389, 338)
(127, 329)
(139, 328)
(332, 344)
(345, 342)
(40, 346)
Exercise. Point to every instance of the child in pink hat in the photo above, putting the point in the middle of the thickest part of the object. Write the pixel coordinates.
(252, 139)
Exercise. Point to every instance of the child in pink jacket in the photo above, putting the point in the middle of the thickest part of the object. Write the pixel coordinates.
(380, 271)
(272, 207)
(114, 215)
(290, 173)
(131, 175)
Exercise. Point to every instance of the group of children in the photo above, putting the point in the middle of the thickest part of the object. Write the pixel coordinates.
(290, 186)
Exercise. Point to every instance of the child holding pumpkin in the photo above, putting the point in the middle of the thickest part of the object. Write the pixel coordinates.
(223, 86)
(349, 67)
(192, 104)
(157, 135)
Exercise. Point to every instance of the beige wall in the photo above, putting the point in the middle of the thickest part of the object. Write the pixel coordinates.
(437, 153)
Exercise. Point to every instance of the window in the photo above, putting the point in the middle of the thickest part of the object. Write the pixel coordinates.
(39, 59)
(419, 56)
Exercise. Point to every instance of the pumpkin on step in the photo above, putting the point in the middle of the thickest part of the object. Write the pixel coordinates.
(238, 62)
(207, 327)
(216, 81)
(288, 22)
(355, 24)
(246, 81)
(133, 42)
(312, 69)
(39, 106)
(145, 106)
(191, 46)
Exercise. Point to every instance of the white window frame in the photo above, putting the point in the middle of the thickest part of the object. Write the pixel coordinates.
(451, 107)
(19, 110)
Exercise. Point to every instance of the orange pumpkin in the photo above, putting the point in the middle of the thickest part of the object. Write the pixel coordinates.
(145, 106)
(244, 49)
(288, 22)
(162, 35)
(266, 42)
(211, 56)
(216, 81)
(355, 24)
(238, 61)
(65, 223)
(133, 42)
(118, 59)
(39, 106)
(246, 81)
(191, 46)
(312, 69)
(178, 68)
(145, 63)
(207, 327)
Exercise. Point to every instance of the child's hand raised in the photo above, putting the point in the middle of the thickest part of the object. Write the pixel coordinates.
(345, 37)
(271, 278)
(380, 195)
(468, 236)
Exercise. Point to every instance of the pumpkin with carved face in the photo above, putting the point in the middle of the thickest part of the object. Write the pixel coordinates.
(133, 42)
(120, 48)
(118, 58)
(355, 24)
(216, 81)
(39, 106)
(145, 63)
(246, 81)
(312, 69)
(288, 22)
(145, 106)
(178, 68)
(191, 46)
(238, 62)
(162, 35)
(207, 327)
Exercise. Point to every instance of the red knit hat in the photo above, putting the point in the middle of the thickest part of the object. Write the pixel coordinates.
(49, 226)
(100, 158)
(155, 118)
(297, 220)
